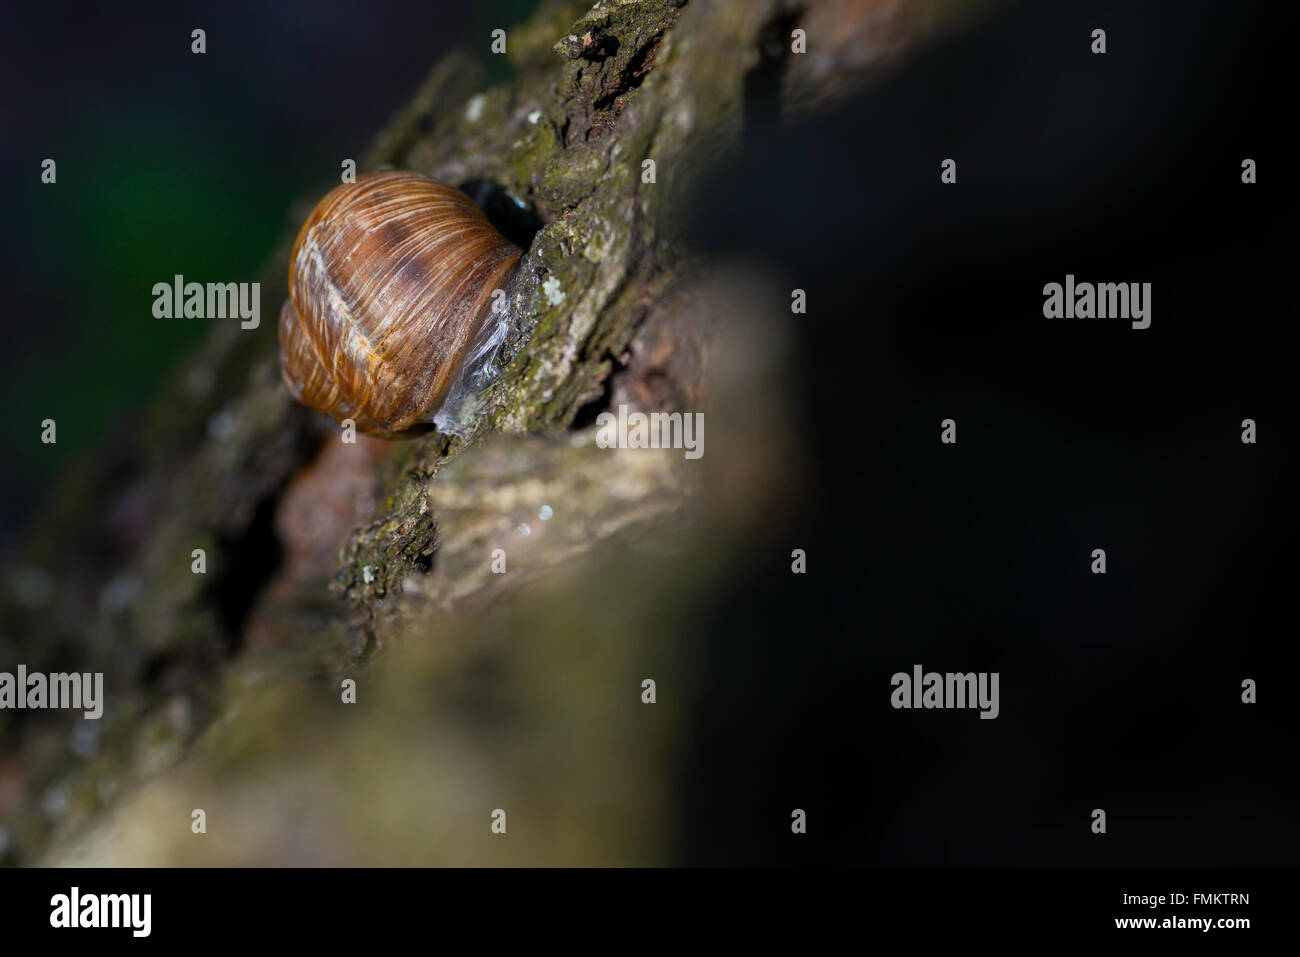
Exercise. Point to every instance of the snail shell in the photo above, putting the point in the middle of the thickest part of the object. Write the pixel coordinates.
(390, 284)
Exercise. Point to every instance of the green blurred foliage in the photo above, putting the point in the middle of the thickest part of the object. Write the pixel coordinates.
(165, 195)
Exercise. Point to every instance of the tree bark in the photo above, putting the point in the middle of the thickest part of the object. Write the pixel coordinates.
(320, 554)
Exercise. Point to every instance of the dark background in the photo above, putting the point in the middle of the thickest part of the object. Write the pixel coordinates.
(1119, 691)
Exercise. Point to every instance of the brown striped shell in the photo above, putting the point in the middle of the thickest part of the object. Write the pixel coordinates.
(390, 279)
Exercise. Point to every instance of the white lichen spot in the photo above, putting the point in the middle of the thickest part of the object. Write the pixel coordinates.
(119, 594)
(221, 424)
(551, 289)
(684, 115)
(367, 575)
(55, 803)
(534, 116)
(33, 587)
(474, 108)
(84, 738)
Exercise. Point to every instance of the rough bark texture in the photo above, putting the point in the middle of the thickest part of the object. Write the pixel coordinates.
(319, 554)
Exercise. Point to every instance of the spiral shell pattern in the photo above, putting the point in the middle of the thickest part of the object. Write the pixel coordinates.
(390, 279)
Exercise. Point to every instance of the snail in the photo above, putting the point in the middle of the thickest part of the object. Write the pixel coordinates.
(391, 300)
